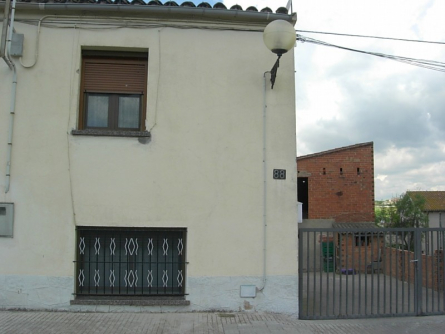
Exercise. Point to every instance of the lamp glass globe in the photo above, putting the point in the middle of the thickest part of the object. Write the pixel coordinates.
(279, 36)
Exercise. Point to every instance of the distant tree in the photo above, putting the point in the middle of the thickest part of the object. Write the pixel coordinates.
(409, 213)
(385, 215)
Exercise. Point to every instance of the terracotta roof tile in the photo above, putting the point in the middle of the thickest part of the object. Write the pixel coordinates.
(435, 200)
(171, 3)
(282, 10)
(188, 4)
(204, 5)
(252, 8)
(218, 5)
(266, 10)
(236, 7)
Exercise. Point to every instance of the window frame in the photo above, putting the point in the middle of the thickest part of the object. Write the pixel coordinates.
(140, 60)
(113, 112)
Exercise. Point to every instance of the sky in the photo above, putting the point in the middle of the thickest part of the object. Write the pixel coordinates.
(345, 98)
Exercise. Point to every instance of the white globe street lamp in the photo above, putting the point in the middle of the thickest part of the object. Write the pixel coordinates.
(279, 37)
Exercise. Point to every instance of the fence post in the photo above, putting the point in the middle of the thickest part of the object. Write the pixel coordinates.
(418, 271)
(300, 272)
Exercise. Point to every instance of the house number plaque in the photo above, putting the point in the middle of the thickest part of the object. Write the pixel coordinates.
(279, 174)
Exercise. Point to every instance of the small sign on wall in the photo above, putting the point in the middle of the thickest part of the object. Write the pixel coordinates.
(279, 174)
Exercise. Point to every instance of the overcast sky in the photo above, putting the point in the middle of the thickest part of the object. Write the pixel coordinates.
(344, 98)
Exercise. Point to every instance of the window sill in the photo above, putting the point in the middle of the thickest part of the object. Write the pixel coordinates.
(110, 133)
(131, 301)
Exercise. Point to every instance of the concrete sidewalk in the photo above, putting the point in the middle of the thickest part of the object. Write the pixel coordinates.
(76, 322)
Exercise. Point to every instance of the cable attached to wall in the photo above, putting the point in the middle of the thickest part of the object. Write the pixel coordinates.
(13, 97)
(36, 50)
(264, 185)
(73, 52)
(155, 117)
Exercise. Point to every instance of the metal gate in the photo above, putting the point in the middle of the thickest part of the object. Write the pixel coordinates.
(378, 272)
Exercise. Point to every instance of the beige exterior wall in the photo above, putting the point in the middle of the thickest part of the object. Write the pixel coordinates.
(201, 170)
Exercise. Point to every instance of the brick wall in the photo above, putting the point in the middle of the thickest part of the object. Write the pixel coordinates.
(340, 183)
(397, 263)
(351, 254)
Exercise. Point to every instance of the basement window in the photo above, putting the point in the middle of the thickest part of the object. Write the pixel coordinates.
(130, 261)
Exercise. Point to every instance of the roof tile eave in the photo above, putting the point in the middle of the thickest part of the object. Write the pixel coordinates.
(217, 5)
(339, 149)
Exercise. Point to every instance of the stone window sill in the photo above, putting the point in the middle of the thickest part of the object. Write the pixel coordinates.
(110, 133)
(131, 301)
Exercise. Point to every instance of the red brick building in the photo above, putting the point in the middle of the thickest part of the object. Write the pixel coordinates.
(338, 184)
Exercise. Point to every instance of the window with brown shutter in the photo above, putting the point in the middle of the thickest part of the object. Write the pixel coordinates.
(113, 91)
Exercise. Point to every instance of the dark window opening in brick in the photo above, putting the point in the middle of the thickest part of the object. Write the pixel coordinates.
(324, 171)
(341, 171)
(130, 261)
(113, 91)
(362, 240)
(358, 171)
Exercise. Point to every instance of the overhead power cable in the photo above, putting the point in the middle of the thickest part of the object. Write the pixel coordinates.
(429, 64)
(366, 36)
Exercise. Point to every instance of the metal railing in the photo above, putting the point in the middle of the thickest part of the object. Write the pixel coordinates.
(353, 273)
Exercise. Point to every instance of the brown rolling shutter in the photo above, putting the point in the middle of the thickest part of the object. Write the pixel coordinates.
(110, 76)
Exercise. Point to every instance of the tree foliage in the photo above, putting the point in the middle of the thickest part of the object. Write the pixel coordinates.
(385, 215)
(407, 212)
(411, 211)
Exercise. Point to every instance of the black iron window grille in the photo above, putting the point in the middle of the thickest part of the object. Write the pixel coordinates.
(130, 262)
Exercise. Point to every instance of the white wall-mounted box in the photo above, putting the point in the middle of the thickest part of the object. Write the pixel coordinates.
(300, 212)
(6, 219)
(247, 291)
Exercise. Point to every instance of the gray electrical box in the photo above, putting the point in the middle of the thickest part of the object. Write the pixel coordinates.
(17, 45)
(6, 219)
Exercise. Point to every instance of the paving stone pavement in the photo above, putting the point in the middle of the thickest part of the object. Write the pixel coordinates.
(21, 322)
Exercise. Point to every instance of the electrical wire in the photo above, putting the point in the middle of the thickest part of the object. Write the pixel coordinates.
(72, 94)
(117, 23)
(155, 117)
(110, 22)
(367, 36)
(428, 64)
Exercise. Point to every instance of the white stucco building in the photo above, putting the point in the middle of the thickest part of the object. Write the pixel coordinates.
(136, 168)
